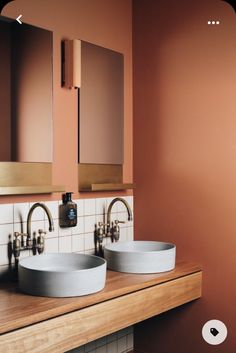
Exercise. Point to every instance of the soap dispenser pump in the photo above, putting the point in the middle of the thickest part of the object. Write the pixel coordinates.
(67, 211)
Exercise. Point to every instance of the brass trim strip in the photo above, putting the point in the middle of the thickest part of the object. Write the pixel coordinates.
(26, 190)
(21, 178)
(25, 174)
(111, 186)
(101, 177)
(90, 174)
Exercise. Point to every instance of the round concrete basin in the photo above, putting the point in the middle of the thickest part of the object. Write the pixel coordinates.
(62, 275)
(140, 256)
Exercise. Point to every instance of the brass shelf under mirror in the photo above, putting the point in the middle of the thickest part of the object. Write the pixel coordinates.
(18, 178)
(109, 187)
(102, 177)
(27, 190)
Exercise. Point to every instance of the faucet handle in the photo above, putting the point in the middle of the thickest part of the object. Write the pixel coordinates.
(16, 245)
(18, 234)
(41, 241)
(16, 240)
(101, 224)
(41, 231)
(116, 230)
(118, 222)
(20, 238)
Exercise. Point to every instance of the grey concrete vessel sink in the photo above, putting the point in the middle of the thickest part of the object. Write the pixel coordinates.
(140, 256)
(62, 275)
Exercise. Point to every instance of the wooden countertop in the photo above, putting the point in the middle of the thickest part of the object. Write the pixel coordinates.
(18, 310)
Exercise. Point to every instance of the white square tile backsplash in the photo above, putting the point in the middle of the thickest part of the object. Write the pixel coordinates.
(64, 232)
(3, 257)
(20, 212)
(6, 213)
(6, 230)
(88, 241)
(51, 245)
(89, 223)
(78, 243)
(75, 239)
(79, 228)
(65, 244)
(54, 208)
(89, 207)
(80, 207)
(130, 233)
(123, 234)
(100, 206)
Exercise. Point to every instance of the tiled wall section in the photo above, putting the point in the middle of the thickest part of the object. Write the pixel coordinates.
(76, 239)
(118, 342)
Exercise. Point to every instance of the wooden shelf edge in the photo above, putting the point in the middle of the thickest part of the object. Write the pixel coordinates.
(108, 187)
(34, 189)
(65, 332)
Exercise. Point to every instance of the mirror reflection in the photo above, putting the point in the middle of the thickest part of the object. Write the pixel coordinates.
(101, 106)
(25, 92)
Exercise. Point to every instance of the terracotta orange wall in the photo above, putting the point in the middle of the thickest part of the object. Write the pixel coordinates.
(5, 110)
(185, 158)
(103, 22)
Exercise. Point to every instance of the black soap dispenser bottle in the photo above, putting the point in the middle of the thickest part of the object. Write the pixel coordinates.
(67, 211)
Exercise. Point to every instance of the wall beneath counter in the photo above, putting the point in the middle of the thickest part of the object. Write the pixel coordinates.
(107, 23)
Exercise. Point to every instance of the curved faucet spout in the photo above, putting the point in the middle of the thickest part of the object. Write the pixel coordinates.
(130, 217)
(48, 213)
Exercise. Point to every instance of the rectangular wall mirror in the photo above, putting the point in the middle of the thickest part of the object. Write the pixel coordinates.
(101, 106)
(98, 73)
(25, 92)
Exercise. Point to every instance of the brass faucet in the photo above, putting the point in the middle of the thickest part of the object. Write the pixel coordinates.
(126, 205)
(110, 229)
(48, 213)
(113, 228)
(24, 241)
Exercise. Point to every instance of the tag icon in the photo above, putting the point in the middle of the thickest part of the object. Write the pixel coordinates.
(214, 331)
